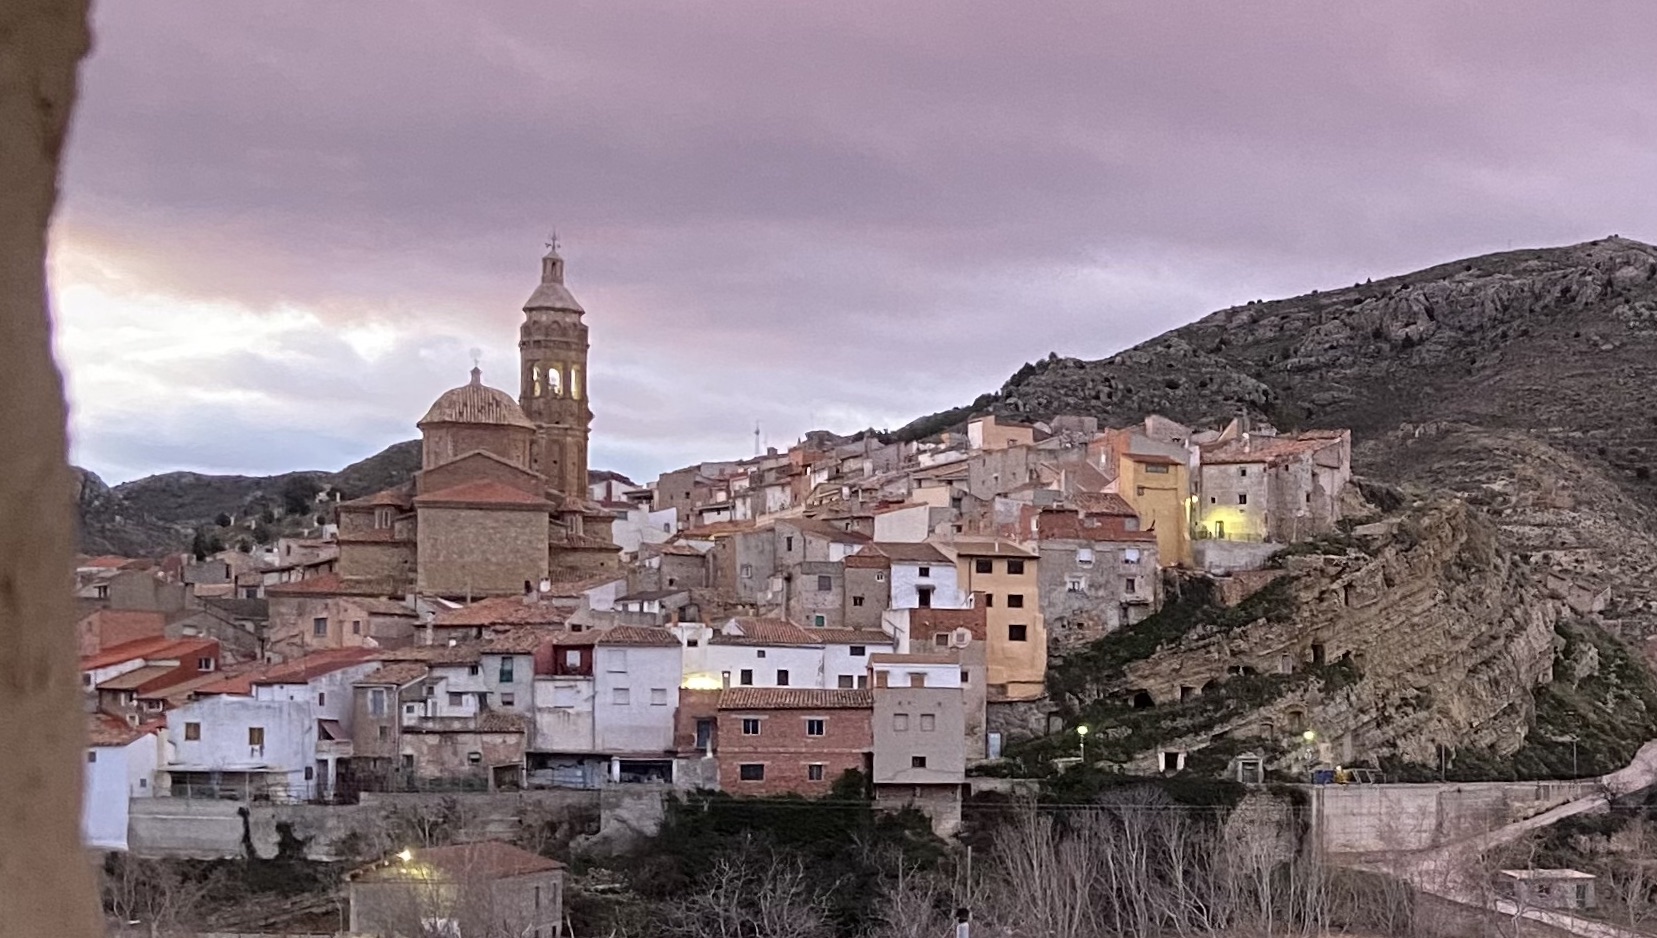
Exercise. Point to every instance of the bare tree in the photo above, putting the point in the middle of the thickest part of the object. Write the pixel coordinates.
(754, 893)
(152, 897)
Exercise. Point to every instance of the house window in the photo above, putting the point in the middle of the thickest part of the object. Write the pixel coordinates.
(782, 677)
(923, 597)
(1018, 633)
(825, 583)
(1242, 471)
(356, 626)
(1130, 585)
(788, 544)
(1242, 498)
(1075, 583)
(102, 591)
(900, 722)
(929, 722)
(457, 700)
(92, 755)
(1156, 469)
(983, 565)
(509, 700)
(858, 651)
(204, 664)
(917, 678)
(819, 621)
(880, 576)
(658, 696)
(1139, 490)
(815, 727)
(750, 726)
(572, 658)
(319, 626)
(310, 773)
(1084, 557)
(760, 653)
(926, 571)
(321, 698)
(751, 771)
(814, 772)
(989, 600)
(747, 571)
(845, 681)
(1015, 600)
(1131, 555)
(620, 696)
(1015, 567)
(917, 762)
(746, 677)
(965, 678)
(472, 670)
(255, 736)
(857, 600)
(384, 731)
(192, 731)
(941, 640)
(376, 701)
(507, 663)
(616, 660)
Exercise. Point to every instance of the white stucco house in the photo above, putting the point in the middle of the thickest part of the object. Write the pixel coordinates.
(121, 764)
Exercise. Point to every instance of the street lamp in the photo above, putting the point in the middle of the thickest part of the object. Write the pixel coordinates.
(1309, 736)
(405, 854)
(1081, 734)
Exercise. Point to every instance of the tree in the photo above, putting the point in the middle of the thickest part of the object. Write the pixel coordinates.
(223, 520)
(758, 892)
(298, 493)
(205, 544)
(153, 897)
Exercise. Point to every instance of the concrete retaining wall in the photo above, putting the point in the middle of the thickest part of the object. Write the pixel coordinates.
(1377, 818)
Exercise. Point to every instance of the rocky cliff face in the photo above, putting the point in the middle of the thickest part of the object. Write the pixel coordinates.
(109, 524)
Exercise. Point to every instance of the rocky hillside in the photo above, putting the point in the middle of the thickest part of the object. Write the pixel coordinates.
(158, 513)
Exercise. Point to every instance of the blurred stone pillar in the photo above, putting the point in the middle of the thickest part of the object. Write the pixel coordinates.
(45, 876)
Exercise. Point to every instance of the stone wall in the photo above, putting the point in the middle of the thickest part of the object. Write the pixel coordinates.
(1357, 819)
(481, 552)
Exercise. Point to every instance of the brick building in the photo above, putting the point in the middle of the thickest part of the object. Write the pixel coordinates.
(775, 740)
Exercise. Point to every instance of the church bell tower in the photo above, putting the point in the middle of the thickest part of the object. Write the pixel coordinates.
(552, 350)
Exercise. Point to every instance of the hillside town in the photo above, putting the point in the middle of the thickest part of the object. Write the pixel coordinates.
(511, 620)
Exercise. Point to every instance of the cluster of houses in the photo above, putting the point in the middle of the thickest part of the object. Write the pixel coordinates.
(757, 626)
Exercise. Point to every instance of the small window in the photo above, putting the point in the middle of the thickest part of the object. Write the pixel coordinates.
(983, 565)
(941, 640)
(929, 722)
(845, 681)
(1075, 583)
(620, 696)
(746, 677)
(457, 700)
(815, 727)
(819, 621)
(383, 733)
(1084, 557)
(751, 771)
(1130, 585)
(572, 658)
(989, 600)
(472, 670)
(900, 722)
(825, 583)
(507, 674)
(858, 651)
(1015, 567)
(509, 700)
(1018, 633)
(782, 677)
(1242, 498)
(204, 664)
(857, 600)
(788, 543)
(356, 626)
(926, 571)
(1156, 469)
(750, 726)
(917, 762)
(1015, 600)
(310, 772)
(814, 772)
(376, 702)
(760, 653)
(255, 736)
(965, 678)
(658, 696)
(747, 571)
(1242, 471)
(917, 678)
(92, 755)
(880, 576)
(192, 731)
(1131, 555)
(322, 698)
(319, 626)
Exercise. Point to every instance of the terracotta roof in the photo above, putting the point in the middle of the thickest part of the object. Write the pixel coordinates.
(398, 673)
(991, 549)
(867, 559)
(332, 584)
(502, 610)
(482, 492)
(766, 632)
(793, 698)
(105, 730)
(1102, 503)
(380, 606)
(679, 550)
(160, 647)
(852, 636)
(717, 529)
(519, 641)
(315, 664)
(233, 681)
(1264, 449)
(258, 609)
(922, 553)
(584, 542)
(434, 654)
(915, 658)
(476, 402)
(138, 677)
(926, 623)
(1152, 459)
(397, 497)
(1067, 525)
(636, 635)
(128, 622)
(496, 721)
(490, 858)
(826, 530)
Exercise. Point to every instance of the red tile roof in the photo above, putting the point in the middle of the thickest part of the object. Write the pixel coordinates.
(1102, 503)
(236, 681)
(922, 553)
(1067, 525)
(525, 640)
(916, 658)
(765, 632)
(332, 584)
(852, 636)
(398, 673)
(389, 498)
(315, 664)
(482, 492)
(1265, 449)
(867, 559)
(824, 529)
(926, 623)
(105, 730)
(794, 698)
(156, 648)
(138, 677)
(636, 635)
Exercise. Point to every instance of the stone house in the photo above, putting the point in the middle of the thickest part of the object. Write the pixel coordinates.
(773, 741)
(919, 724)
(992, 433)
(867, 589)
(1153, 476)
(466, 889)
(815, 593)
(1097, 574)
(961, 633)
(331, 611)
(1004, 579)
(1281, 489)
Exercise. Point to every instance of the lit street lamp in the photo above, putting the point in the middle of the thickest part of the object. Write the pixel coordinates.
(1081, 734)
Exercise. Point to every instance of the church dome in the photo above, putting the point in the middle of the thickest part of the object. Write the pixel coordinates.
(476, 403)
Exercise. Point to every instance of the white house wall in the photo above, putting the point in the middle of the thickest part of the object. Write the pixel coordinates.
(290, 735)
(563, 715)
(113, 776)
(650, 676)
(903, 525)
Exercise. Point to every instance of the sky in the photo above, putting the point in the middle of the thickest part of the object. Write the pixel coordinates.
(285, 226)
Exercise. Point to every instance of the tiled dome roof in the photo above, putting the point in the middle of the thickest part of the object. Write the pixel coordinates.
(476, 403)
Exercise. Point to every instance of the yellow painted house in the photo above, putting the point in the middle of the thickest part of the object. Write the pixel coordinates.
(1003, 578)
(1155, 479)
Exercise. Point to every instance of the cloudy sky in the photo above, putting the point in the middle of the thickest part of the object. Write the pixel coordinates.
(285, 224)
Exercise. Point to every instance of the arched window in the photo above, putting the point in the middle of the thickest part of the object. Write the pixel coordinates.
(575, 382)
(555, 381)
(535, 381)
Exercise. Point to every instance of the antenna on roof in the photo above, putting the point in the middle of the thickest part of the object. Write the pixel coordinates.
(756, 438)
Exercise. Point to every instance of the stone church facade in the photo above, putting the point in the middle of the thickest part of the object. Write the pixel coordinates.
(500, 499)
